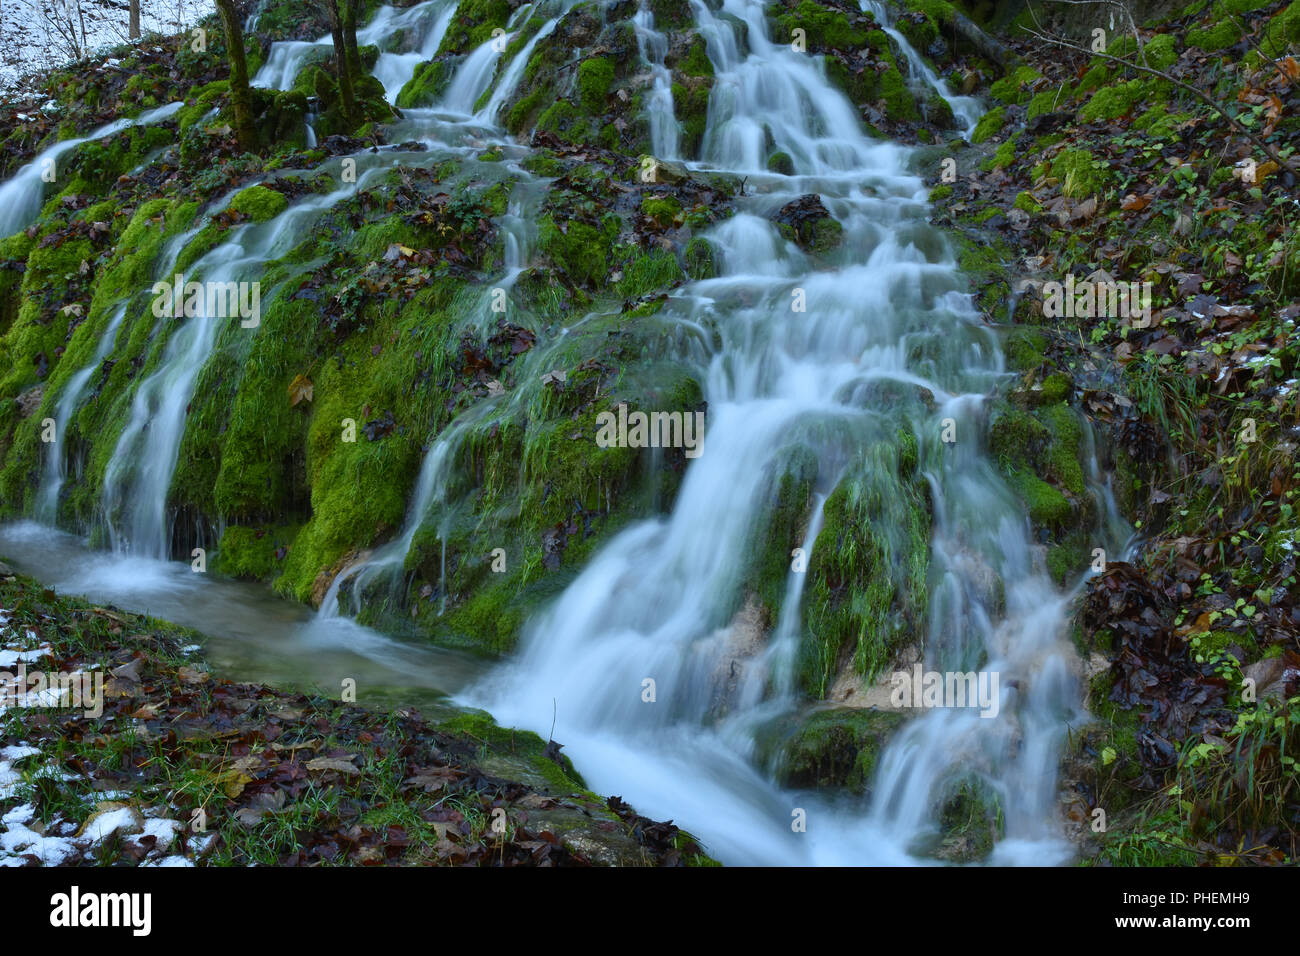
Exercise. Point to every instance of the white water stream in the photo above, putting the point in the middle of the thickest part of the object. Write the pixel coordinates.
(889, 338)
(21, 195)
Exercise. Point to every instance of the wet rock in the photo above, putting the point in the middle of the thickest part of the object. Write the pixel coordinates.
(835, 748)
(808, 224)
(666, 171)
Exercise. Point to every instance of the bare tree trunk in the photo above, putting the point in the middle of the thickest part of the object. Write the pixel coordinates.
(350, 37)
(133, 28)
(240, 97)
(81, 15)
(342, 66)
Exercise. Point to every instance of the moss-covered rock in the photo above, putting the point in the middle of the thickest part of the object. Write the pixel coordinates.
(259, 203)
(830, 749)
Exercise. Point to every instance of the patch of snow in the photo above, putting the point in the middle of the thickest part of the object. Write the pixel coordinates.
(9, 657)
(17, 815)
(41, 35)
(18, 841)
(108, 823)
(162, 830)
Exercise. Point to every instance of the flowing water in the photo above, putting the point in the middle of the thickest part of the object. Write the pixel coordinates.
(665, 133)
(251, 635)
(889, 340)
(21, 196)
(966, 110)
(70, 399)
(659, 601)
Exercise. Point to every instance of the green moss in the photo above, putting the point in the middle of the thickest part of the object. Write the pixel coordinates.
(426, 84)
(780, 162)
(578, 248)
(1112, 102)
(1063, 454)
(1282, 33)
(1027, 203)
(1160, 52)
(663, 209)
(1220, 36)
(836, 748)
(1080, 174)
(825, 29)
(1047, 101)
(700, 263)
(866, 588)
(1056, 387)
(939, 193)
(251, 552)
(900, 104)
(595, 76)
(989, 124)
(259, 203)
(480, 726)
(691, 106)
(1046, 505)
(473, 24)
(1012, 87)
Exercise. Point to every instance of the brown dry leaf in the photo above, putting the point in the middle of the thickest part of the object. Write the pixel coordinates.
(1135, 203)
(233, 783)
(300, 390)
(192, 675)
(333, 763)
(245, 764)
(129, 671)
(249, 816)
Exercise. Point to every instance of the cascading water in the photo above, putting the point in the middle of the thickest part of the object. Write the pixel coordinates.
(429, 20)
(660, 601)
(140, 471)
(665, 134)
(21, 196)
(515, 71)
(47, 498)
(889, 340)
(965, 109)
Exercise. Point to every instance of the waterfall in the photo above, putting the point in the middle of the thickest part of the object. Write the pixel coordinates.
(658, 601)
(889, 341)
(70, 399)
(436, 470)
(473, 78)
(22, 195)
(429, 20)
(965, 109)
(515, 71)
(653, 46)
(139, 474)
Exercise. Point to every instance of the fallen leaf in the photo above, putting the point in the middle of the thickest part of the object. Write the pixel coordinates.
(300, 390)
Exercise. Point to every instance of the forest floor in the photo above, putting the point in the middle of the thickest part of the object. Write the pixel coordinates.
(160, 763)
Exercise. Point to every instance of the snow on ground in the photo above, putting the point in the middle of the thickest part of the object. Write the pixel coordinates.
(39, 35)
(24, 839)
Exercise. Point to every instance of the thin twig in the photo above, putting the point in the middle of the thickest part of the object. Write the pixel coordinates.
(1204, 97)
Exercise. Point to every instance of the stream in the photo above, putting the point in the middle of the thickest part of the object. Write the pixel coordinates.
(889, 339)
